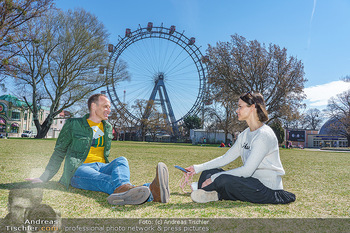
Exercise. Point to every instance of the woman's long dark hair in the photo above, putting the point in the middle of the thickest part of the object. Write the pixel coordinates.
(258, 100)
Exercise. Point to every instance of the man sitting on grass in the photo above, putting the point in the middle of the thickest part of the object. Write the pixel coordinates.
(85, 144)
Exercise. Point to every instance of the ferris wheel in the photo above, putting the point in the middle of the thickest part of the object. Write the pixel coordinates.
(165, 70)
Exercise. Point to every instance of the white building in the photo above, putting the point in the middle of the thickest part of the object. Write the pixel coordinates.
(200, 136)
(56, 126)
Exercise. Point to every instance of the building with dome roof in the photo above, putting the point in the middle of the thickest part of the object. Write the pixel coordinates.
(327, 128)
(16, 118)
(327, 136)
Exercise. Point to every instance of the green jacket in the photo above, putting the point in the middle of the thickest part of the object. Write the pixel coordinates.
(74, 144)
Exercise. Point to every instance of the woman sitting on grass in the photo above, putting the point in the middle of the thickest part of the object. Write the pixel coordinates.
(259, 179)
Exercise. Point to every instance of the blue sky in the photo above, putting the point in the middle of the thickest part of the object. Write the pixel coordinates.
(316, 32)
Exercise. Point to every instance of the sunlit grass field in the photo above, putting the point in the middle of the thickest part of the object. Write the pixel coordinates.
(320, 180)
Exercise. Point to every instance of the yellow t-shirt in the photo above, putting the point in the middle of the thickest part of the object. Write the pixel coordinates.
(98, 143)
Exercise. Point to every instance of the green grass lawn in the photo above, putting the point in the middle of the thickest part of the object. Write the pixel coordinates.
(320, 180)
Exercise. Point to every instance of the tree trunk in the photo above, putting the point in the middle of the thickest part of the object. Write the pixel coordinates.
(227, 123)
(44, 128)
(143, 133)
(43, 131)
(116, 133)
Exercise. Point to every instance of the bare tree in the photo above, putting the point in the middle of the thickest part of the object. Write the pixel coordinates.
(339, 110)
(13, 16)
(312, 119)
(151, 121)
(62, 61)
(115, 120)
(120, 124)
(140, 106)
(2, 84)
(239, 66)
(222, 115)
(293, 121)
(157, 125)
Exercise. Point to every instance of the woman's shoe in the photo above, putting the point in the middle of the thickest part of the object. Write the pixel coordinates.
(202, 196)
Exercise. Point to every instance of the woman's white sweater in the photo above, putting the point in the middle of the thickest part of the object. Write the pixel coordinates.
(260, 155)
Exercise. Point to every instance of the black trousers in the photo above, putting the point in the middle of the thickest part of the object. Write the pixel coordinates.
(244, 189)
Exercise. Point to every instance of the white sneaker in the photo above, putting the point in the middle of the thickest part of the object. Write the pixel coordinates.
(202, 196)
(194, 186)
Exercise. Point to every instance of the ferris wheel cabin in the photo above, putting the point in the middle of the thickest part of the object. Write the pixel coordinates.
(149, 26)
(172, 29)
(128, 32)
(191, 41)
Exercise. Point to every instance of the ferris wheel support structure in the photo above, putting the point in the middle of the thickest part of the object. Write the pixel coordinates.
(167, 110)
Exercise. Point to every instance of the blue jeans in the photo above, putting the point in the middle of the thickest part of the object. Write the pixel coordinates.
(103, 177)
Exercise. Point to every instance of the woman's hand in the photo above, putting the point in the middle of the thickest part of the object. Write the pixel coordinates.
(207, 182)
(190, 170)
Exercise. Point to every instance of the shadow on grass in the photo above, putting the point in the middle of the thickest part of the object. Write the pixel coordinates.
(101, 198)
(21, 185)
(200, 206)
(54, 185)
(181, 194)
(193, 205)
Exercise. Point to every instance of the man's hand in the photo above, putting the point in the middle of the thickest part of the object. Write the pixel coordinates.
(207, 182)
(34, 180)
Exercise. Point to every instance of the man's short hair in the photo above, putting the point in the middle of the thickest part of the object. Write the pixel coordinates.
(94, 99)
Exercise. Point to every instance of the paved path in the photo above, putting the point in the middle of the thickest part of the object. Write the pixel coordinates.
(330, 150)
